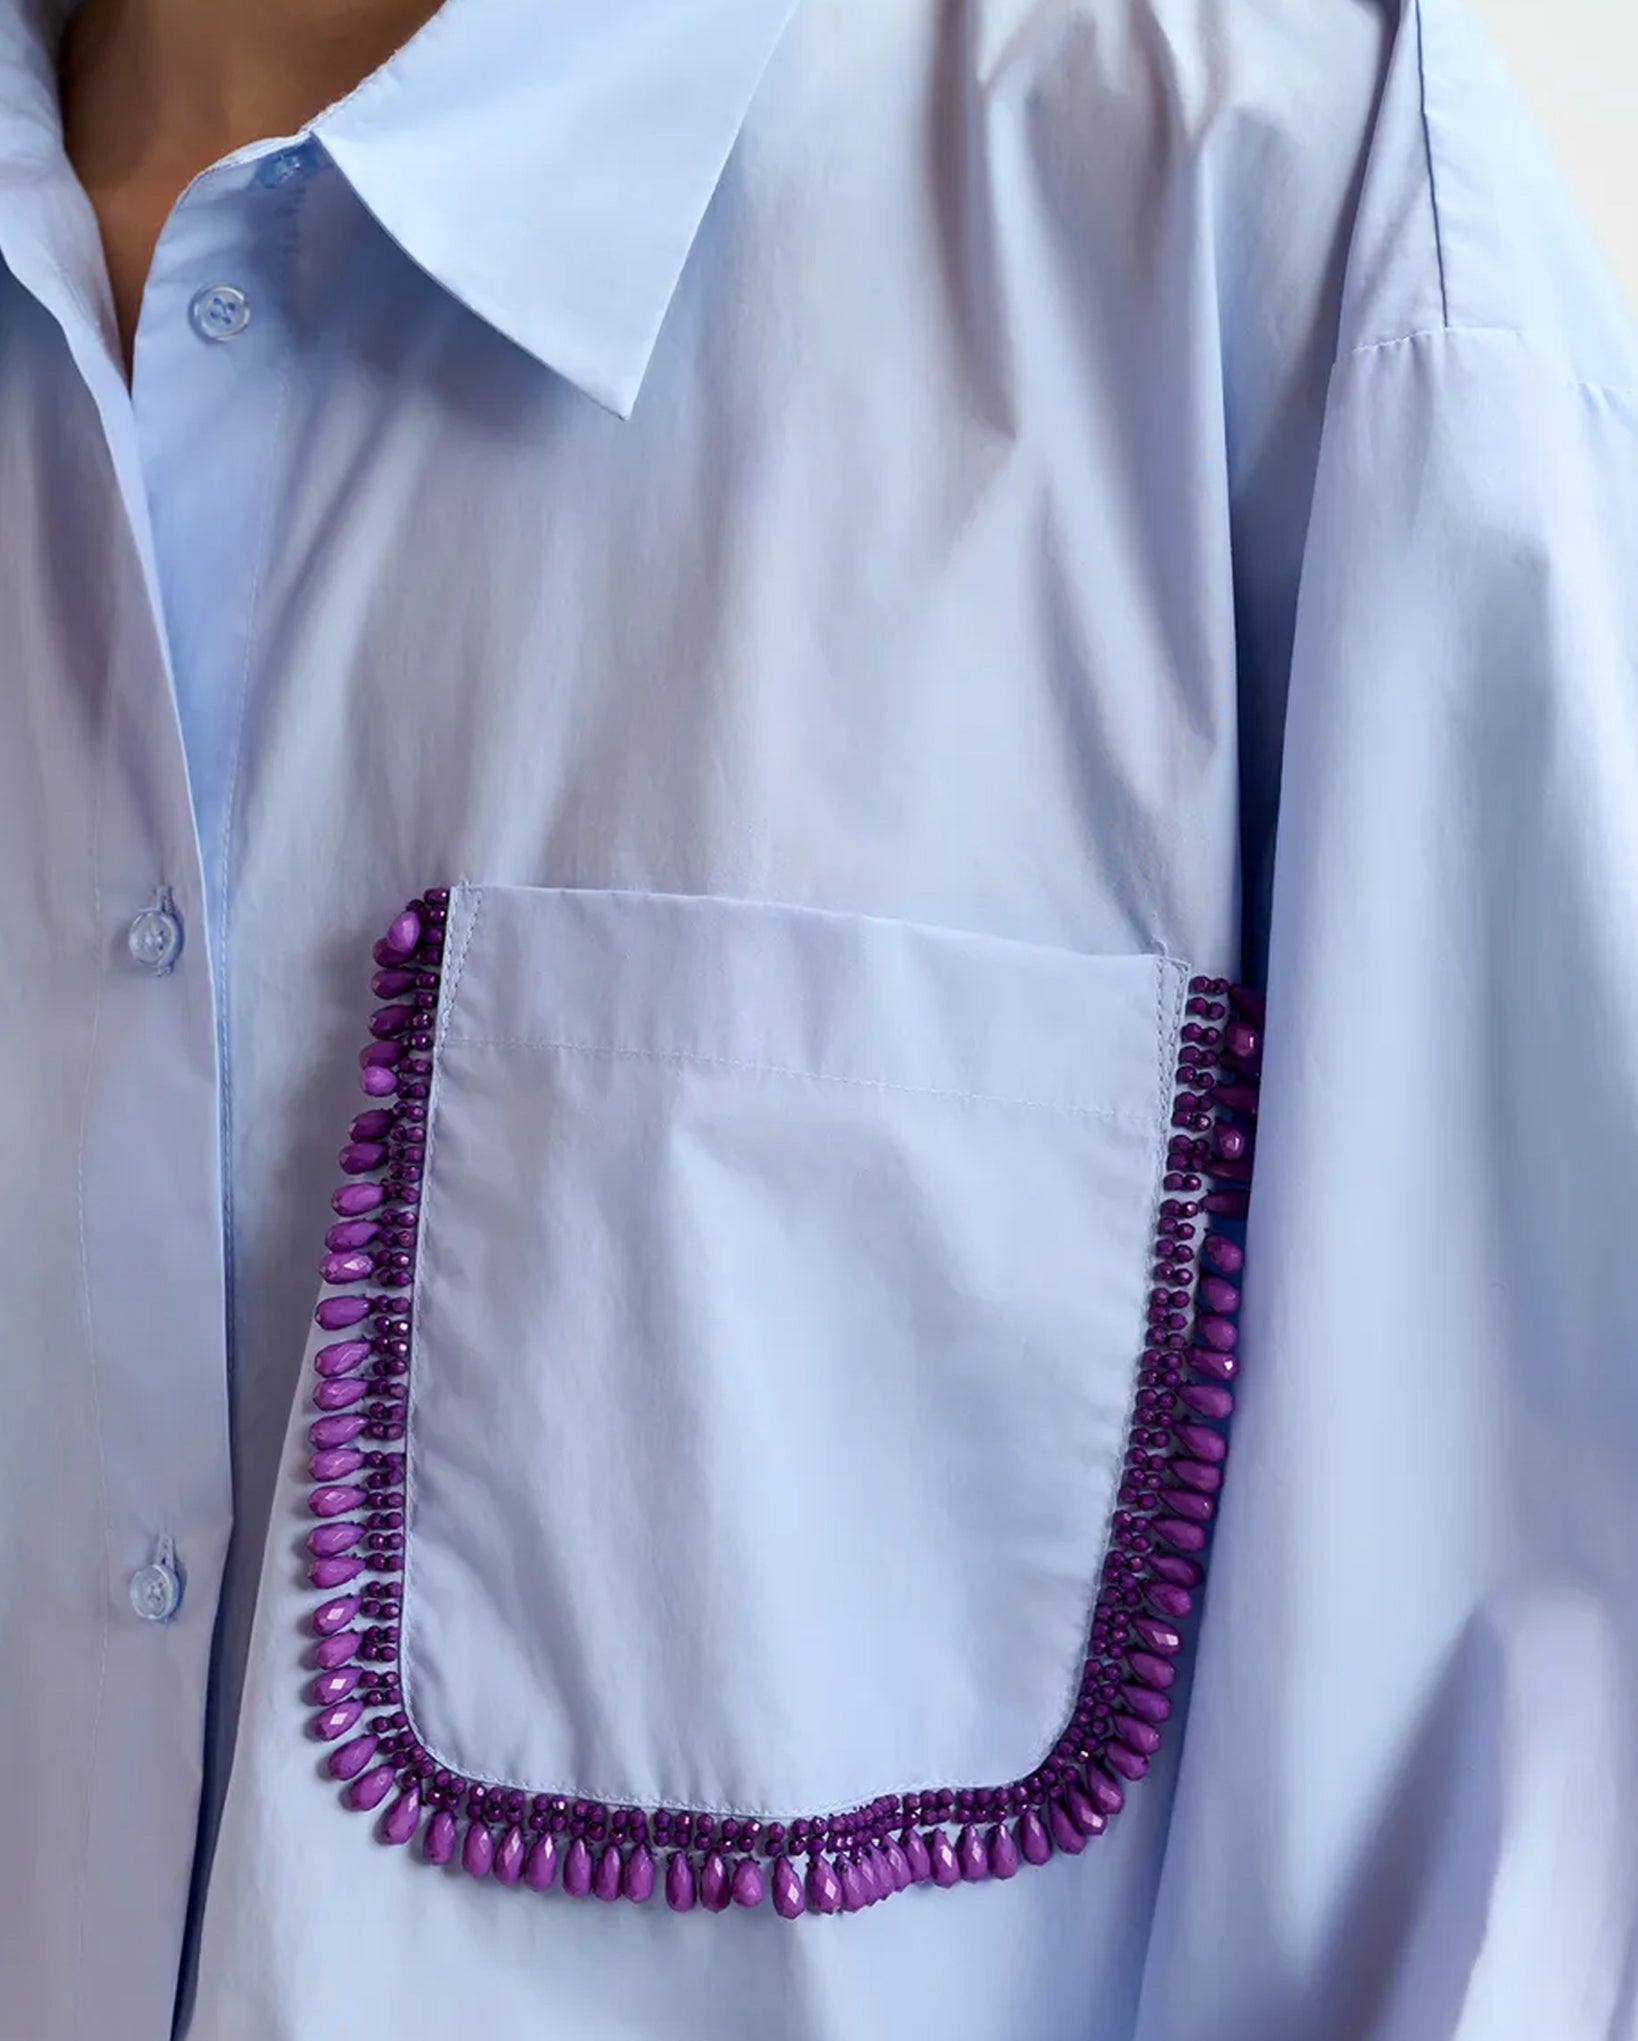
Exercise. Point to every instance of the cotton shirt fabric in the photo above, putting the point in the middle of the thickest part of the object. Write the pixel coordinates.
(854, 527)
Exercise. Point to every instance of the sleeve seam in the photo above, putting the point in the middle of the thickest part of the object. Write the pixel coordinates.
(1482, 330)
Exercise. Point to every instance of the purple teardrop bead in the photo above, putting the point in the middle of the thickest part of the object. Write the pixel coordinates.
(329, 1617)
(324, 1541)
(1081, 1811)
(1064, 1832)
(637, 1880)
(334, 1499)
(337, 1650)
(1222, 1335)
(1193, 1508)
(540, 1866)
(341, 1357)
(369, 1789)
(1136, 1735)
(352, 1201)
(439, 1844)
(898, 1864)
(336, 1431)
(1200, 1443)
(577, 1869)
(335, 1314)
(946, 1871)
(1219, 1295)
(1034, 1844)
(824, 1887)
(1180, 1572)
(855, 1890)
(330, 1723)
(788, 1897)
(508, 1861)
(1130, 1764)
(1209, 1398)
(1184, 1537)
(353, 1267)
(1102, 1791)
(1003, 1853)
(972, 1858)
(329, 1687)
(405, 932)
(1146, 1704)
(351, 1758)
(328, 1573)
(1153, 1671)
(748, 1886)
(387, 1022)
(679, 1883)
(376, 1082)
(374, 1125)
(1226, 1256)
(916, 1856)
(347, 1234)
(1162, 1637)
(714, 1883)
(341, 1394)
(1200, 1475)
(606, 1877)
(399, 1822)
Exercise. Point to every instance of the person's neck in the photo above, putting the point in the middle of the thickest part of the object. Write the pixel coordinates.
(156, 90)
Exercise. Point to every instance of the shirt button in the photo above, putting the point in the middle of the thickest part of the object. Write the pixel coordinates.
(155, 937)
(284, 164)
(155, 1591)
(219, 311)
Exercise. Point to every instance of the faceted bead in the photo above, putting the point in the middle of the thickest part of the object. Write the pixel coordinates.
(1034, 1844)
(916, 1855)
(577, 1869)
(1182, 1536)
(341, 1357)
(376, 1082)
(326, 1540)
(1003, 1852)
(714, 1883)
(330, 1723)
(1226, 1256)
(1130, 1764)
(329, 1617)
(1102, 1791)
(1222, 1335)
(337, 1650)
(1180, 1572)
(606, 1876)
(336, 1431)
(898, 1865)
(679, 1883)
(330, 1687)
(824, 1887)
(439, 1845)
(1215, 1362)
(1162, 1637)
(353, 1200)
(1145, 1702)
(392, 981)
(1200, 1443)
(369, 1789)
(637, 1880)
(1082, 1812)
(389, 1021)
(788, 1897)
(1172, 1602)
(1218, 1295)
(1153, 1671)
(335, 1314)
(1136, 1735)
(1065, 1834)
(1209, 1400)
(540, 1867)
(328, 1573)
(946, 1870)
(1195, 1509)
(405, 932)
(349, 1759)
(333, 1499)
(401, 1818)
(353, 1267)
(972, 1858)
(347, 1234)
(1242, 1041)
(340, 1395)
(1228, 1204)
(1196, 1474)
(358, 1158)
(855, 1888)
(748, 1886)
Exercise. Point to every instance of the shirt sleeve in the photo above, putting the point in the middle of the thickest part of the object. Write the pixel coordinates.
(1408, 1800)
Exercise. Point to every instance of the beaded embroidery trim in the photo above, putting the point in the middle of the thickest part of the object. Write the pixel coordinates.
(829, 1863)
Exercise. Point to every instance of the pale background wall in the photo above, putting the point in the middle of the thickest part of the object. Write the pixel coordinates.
(1577, 64)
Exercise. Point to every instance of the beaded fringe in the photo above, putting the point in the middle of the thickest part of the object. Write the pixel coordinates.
(833, 1863)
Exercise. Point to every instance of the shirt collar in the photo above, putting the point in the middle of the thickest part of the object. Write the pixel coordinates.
(550, 161)
(547, 161)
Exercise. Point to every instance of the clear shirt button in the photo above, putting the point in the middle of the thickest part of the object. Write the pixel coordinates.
(155, 937)
(156, 1588)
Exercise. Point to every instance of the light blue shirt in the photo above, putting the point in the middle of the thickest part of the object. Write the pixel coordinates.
(841, 531)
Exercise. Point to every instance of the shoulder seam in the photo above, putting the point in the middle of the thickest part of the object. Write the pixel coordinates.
(1427, 145)
(1592, 385)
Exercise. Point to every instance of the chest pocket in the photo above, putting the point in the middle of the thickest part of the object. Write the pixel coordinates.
(779, 1290)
